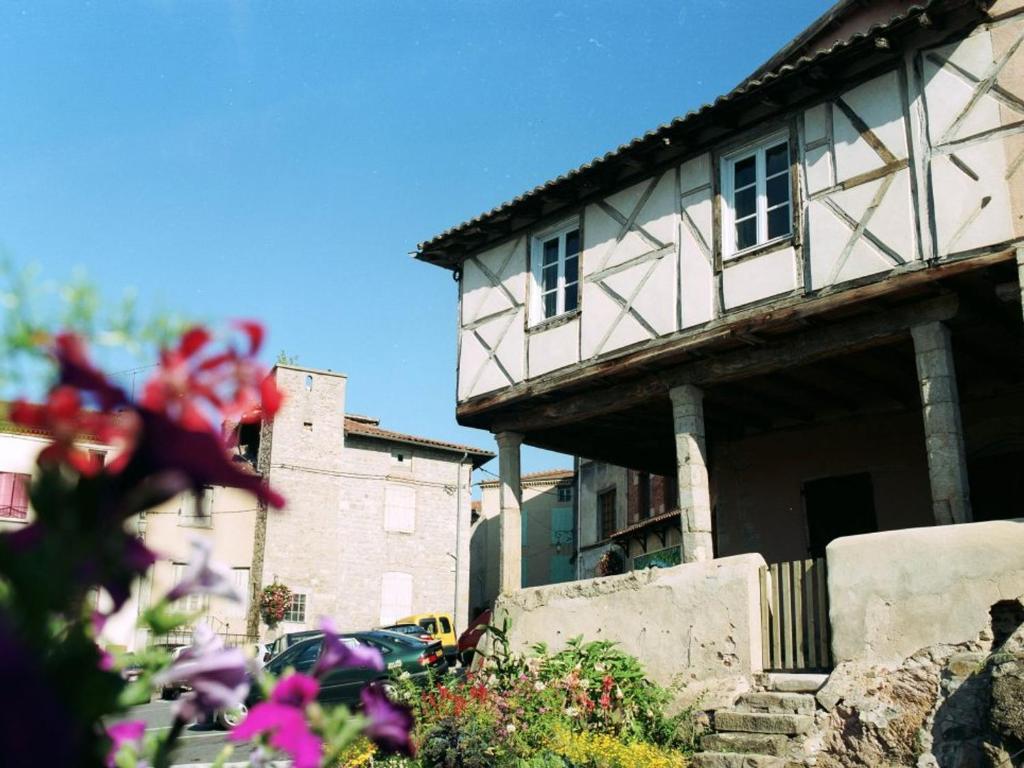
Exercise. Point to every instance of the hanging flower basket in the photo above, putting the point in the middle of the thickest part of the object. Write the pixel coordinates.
(610, 564)
(274, 602)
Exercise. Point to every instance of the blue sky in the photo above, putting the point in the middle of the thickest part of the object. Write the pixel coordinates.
(280, 160)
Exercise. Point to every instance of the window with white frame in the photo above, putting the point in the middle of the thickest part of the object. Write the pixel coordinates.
(757, 204)
(564, 493)
(556, 268)
(189, 603)
(240, 577)
(296, 610)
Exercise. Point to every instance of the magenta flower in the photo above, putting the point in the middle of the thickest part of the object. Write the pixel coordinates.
(128, 732)
(344, 652)
(204, 576)
(390, 723)
(284, 719)
(216, 675)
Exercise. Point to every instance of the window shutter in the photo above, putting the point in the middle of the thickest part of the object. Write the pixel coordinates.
(400, 508)
(561, 526)
(395, 596)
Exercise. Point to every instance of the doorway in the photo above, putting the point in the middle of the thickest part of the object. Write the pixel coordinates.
(838, 506)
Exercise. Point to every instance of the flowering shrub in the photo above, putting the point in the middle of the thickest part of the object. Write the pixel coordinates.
(587, 706)
(61, 690)
(274, 601)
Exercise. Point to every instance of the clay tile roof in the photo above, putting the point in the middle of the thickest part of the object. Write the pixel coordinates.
(544, 476)
(365, 427)
(650, 522)
(789, 61)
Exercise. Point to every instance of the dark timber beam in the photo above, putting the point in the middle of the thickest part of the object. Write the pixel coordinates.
(798, 349)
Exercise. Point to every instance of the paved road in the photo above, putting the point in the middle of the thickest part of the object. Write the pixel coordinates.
(197, 744)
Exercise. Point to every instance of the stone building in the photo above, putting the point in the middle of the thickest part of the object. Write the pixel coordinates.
(376, 524)
(548, 534)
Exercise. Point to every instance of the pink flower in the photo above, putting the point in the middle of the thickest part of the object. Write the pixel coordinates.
(204, 576)
(343, 652)
(284, 719)
(216, 675)
(390, 724)
(129, 732)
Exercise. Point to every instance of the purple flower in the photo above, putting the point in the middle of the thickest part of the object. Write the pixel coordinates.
(204, 576)
(284, 718)
(128, 732)
(216, 675)
(344, 652)
(390, 723)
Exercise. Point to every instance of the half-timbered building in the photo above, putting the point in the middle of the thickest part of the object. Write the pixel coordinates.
(803, 300)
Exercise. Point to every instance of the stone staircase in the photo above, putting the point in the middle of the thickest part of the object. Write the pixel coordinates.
(770, 727)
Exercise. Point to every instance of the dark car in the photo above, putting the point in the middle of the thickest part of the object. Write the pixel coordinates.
(286, 641)
(401, 653)
(413, 630)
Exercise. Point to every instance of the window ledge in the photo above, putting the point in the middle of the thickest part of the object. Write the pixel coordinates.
(761, 249)
(554, 322)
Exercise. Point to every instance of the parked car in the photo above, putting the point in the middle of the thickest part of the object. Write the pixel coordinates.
(469, 639)
(441, 626)
(401, 653)
(286, 641)
(413, 630)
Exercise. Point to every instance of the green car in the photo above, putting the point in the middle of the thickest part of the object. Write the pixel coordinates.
(401, 653)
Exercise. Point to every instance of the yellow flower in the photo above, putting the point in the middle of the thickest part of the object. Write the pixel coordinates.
(599, 750)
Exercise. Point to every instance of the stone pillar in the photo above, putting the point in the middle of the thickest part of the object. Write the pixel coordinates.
(692, 470)
(943, 432)
(510, 555)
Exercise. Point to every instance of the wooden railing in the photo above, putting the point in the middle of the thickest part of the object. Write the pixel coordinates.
(795, 633)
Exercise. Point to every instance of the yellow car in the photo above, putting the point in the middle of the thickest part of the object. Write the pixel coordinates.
(441, 626)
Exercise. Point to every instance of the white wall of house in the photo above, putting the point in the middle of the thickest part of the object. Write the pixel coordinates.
(894, 171)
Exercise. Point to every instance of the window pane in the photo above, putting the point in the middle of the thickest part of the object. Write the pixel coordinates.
(550, 304)
(744, 172)
(779, 221)
(572, 243)
(778, 190)
(572, 269)
(746, 202)
(746, 233)
(571, 296)
(550, 252)
(550, 278)
(777, 158)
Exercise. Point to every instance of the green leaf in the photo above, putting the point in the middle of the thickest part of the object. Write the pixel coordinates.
(135, 693)
(161, 618)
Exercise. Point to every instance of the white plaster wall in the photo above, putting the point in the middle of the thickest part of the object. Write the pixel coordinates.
(696, 242)
(971, 177)
(597, 477)
(634, 266)
(696, 624)
(554, 348)
(758, 278)
(893, 593)
(493, 318)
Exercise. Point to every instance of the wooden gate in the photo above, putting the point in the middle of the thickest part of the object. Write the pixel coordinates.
(795, 632)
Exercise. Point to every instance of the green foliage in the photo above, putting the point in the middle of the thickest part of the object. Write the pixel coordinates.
(589, 704)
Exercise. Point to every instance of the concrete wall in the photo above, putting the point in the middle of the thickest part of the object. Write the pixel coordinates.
(894, 593)
(597, 477)
(696, 624)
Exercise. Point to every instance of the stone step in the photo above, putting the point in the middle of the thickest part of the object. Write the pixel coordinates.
(762, 722)
(777, 703)
(791, 682)
(735, 760)
(747, 743)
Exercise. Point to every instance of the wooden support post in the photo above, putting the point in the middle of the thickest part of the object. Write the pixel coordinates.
(510, 575)
(944, 436)
(692, 469)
